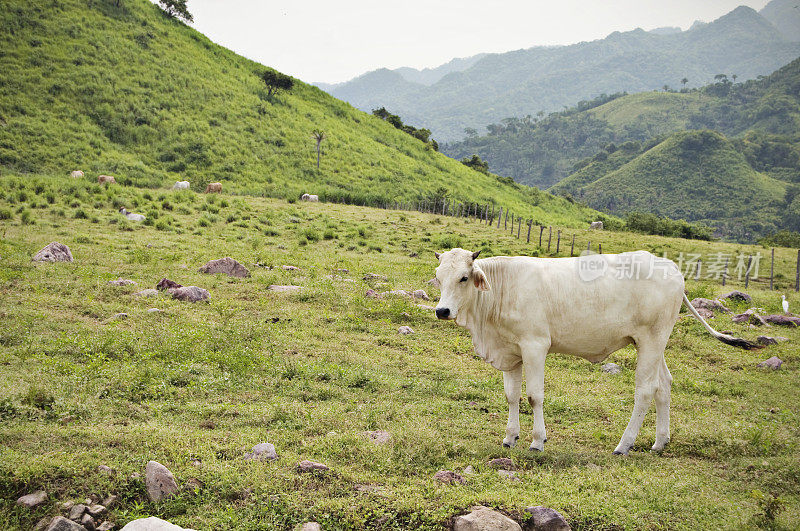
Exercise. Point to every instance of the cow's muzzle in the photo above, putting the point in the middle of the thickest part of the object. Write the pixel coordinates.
(443, 313)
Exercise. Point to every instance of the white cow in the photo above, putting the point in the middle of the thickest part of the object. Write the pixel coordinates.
(76, 174)
(310, 197)
(519, 309)
(131, 216)
(181, 185)
(596, 225)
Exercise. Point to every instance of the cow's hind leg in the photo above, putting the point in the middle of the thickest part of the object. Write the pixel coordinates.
(662, 406)
(512, 384)
(533, 358)
(649, 359)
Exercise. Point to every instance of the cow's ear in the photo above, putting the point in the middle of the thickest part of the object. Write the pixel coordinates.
(438, 256)
(480, 280)
(475, 254)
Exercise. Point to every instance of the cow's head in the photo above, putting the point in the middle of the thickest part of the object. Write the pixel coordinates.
(459, 279)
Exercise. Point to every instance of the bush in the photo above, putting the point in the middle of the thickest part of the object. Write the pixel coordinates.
(26, 217)
(39, 398)
(80, 214)
(5, 213)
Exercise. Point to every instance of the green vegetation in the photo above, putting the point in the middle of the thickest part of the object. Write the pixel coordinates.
(126, 91)
(420, 134)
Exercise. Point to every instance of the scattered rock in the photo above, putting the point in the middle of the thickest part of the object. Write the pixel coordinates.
(373, 276)
(310, 466)
(611, 368)
(485, 519)
(448, 476)
(119, 316)
(308, 526)
(420, 294)
(152, 524)
(166, 284)
(32, 500)
(372, 294)
(159, 481)
(709, 304)
(737, 296)
(105, 526)
(42, 524)
(227, 266)
(290, 268)
(283, 289)
(769, 340)
(110, 501)
(378, 436)
(773, 363)
(122, 282)
(53, 252)
(262, 451)
(704, 313)
(59, 523)
(751, 316)
(783, 320)
(149, 292)
(469, 470)
(76, 512)
(96, 509)
(503, 463)
(155, 310)
(508, 474)
(88, 522)
(190, 294)
(105, 469)
(547, 519)
(395, 293)
(405, 330)
(67, 505)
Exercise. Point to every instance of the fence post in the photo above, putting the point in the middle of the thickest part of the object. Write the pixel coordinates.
(572, 248)
(541, 230)
(725, 272)
(505, 225)
(530, 224)
(772, 268)
(797, 274)
(519, 227)
(747, 273)
(558, 242)
(697, 270)
(549, 238)
(589, 246)
(599, 248)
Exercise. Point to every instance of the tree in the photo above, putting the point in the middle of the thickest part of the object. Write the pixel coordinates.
(684, 81)
(381, 113)
(734, 76)
(319, 136)
(275, 82)
(176, 9)
(476, 164)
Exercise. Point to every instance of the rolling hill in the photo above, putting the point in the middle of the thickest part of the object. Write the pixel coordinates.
(523, 82)
(125, 90)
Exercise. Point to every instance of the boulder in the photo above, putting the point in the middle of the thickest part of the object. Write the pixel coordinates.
(310, 466)
(159, 481)
(59, 523)
(611, 368)
(152, 524)
(378, 436)
(405, 330)
(704, 313)
(110, 501)
(547, 519)
(308, 526)
(88, 522)
(262, 451)
(773, 363)
(420, 294)
(154, 310)
(749, 316)
(167, 284)
(737, 296)
(32, 500)
(448, 476)
(283, 289)
(227, 266)
(189, 294)
(783, 320)
(76, 512)
(485, 519)
(53, 252)
(105, 526)
(769, 340)
(122, 282)
(709, 304)
(96, 509)
(503, 463)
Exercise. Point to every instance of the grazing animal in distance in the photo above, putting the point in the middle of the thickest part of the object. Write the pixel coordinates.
(596, 225)
(181, 185)
(519, 309)
(76, 174)
(106, 179)
(785, 304)
(214, 188)
(131, 216)
(310, 197)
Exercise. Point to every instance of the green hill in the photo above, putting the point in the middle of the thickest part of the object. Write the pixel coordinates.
(694, 175)
(126, 91)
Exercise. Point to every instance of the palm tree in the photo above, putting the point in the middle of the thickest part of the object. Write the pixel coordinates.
(319, 136)
(684, 81)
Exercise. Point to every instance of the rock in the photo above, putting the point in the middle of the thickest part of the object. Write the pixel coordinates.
(53, 252)
(105, 526)
(110, 501)
(773, 363)
(149, 292)
(508, 474)
(290, 268)
(88, 522)
(155, 310)
(469, 470)
(119, 316)
(104, 469)
(190, 294)
(76, 512)
(484, 519)
(709, 304)
(448, 476)
(395, 293)
(783, 320)
(420, 294)
(152, 524)
(310, 466)
(373, 276)
(283, 289)
(372, 294)
(547, 519)
(227, 266)
(159, 481)
(59, 523)
(378, 436)
(166, 284)
(96, 509)
(262, 451)
(32, 500)
(426, 307)
(342, 270)
(611, 368)
(308, 526)
(42, 524)
(122, 282)
(67, 505)
(769, 340)
(405, 330)
(503, 463)
(704, 313)
(737, 296)
(750, 316)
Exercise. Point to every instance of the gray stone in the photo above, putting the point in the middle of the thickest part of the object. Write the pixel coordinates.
(155, 310)
(783, 320)
(283, 289)
(485, 519)
(611, 368)
(152, 524)
(32, 500)
(709, 304)
(105, 526)
(88, 522)
(189, 294)
(42, 524)
(149, 292)
(59, 523)
(704, 313)
(96, 509)
(448, 476)
(310, 466)
(110, 501)
(159, 481)
(405, 330)
(290, 268)
(122, 282)
(508, 474)
(105, 469)
(166, 284)
(469, 470)
(227, 266)
(119, 316)
(503, 463)
(262, 451)
(773, 363)
(53, 252)
(737, 296)
(770, 340)
(378, 436)
(67, 505)
(420, 294)
(76, 512)
(308, 526)
(547, 519)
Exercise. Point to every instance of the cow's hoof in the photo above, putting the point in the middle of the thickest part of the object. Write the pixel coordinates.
(510, 443)
(536, 447)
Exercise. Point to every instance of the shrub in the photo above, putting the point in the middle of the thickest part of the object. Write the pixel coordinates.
(26, 217)
(80, 214)
(39, 398)
(5, 213)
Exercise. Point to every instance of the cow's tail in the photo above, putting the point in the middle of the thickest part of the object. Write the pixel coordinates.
(725, 338)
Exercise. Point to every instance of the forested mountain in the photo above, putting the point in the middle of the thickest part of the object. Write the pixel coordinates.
(524, 82)
(119, 88)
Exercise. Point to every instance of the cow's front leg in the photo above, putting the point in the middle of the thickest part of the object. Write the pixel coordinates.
(512, 383)
(533, 359)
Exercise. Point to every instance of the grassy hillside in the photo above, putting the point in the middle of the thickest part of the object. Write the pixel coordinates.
(311, 371)
(128, 92)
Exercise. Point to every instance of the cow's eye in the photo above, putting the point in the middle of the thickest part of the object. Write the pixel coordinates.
(464, 279)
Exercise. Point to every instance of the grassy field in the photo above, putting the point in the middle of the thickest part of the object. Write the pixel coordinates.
(310, 371)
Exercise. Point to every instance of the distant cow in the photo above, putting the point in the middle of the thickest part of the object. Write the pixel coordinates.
(103, 179)
(214, 188)
(131, 216)
(181, 185)
(596, 225)
(310, 197)
(75, 174)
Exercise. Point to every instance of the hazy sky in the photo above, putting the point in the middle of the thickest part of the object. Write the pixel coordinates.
(334, 41)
